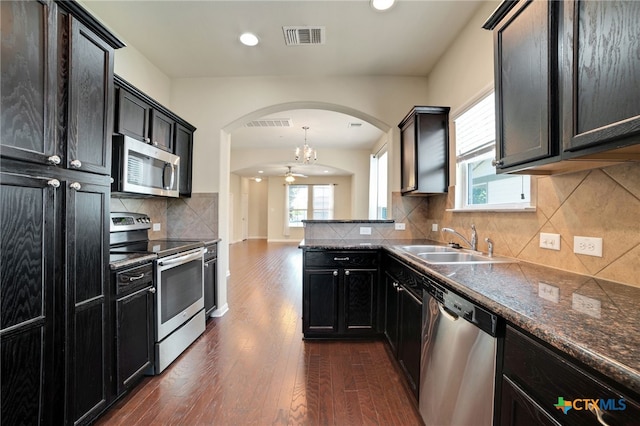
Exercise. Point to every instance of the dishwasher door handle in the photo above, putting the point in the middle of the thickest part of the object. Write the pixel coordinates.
(447, 313)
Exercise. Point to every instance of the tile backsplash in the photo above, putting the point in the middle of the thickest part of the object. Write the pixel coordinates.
(601, 203)
(179, 218)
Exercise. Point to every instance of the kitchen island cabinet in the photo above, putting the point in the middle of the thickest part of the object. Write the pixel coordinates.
(339, 293)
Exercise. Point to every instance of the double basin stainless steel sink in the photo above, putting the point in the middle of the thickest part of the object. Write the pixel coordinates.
(442, 255)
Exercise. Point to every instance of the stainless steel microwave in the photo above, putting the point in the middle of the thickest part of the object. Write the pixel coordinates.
(138, 168)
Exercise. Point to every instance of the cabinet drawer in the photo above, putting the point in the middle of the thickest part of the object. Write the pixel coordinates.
(547, 376)
(211, 253)
(341, 259)
(134, 278)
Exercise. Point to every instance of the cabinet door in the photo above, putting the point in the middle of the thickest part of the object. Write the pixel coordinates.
(132, 116)
(408, 159)
(518, 409)
(161, 130)
(90, 101)
(320, 301)
(87, 233)
(210, 270)
(526, 84)
(134, 337)
(410, 339)
(28, 279)
(601, 73)
(28, 85)
(360, 302)
(184, 149)
(391, 312)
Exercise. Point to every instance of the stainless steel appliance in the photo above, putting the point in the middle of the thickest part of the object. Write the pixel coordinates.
(179, 297)
(139, 168)
(458, 364)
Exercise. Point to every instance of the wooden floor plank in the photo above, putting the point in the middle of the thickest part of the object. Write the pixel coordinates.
(252, 367)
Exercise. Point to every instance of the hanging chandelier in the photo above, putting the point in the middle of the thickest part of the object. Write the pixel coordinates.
(306, 154)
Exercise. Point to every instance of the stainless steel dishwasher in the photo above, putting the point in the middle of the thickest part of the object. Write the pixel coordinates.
(458, 362)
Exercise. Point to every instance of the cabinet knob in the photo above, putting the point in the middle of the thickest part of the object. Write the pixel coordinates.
(335, 273)
(147, 140)
(155, 143)
(54, 160)
(76, 164)
(76, 186)
(152, 290)
(347, 273)
(399, 289)
(54, 183)
(497, 163)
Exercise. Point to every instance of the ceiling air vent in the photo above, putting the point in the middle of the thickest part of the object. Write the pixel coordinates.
(295, 36)
(270, 122)
(355, 125)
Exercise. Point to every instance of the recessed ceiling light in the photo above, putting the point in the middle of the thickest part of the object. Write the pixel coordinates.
(382, 4)
(260, 171)
(249, 39)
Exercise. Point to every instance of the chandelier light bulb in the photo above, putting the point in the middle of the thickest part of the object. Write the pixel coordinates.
(306, 154)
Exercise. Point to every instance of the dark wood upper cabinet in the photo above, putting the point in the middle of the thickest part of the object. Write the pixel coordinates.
(132, 116)
(601, 76)
(90, 101)
(161, 130)
(183, 148)
(424, 151)
(29, 81)
(526, 84)
(566, 79)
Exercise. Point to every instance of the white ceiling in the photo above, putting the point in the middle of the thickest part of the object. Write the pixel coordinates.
(200, 39)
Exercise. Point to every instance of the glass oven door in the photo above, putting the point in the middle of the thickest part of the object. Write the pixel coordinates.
(180, 290)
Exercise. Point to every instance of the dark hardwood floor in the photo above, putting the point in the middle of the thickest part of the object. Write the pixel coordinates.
(251, 366)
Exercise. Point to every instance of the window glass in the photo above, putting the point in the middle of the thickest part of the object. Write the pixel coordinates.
(478, 184)
(317, 199)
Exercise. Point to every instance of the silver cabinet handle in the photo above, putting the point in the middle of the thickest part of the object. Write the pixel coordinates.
(399, 289)
(76, 164)
(341, 258)
(54, 160)
(598, 413)
(335, 273)
(137, 277)
(54, 183)
(497, 163)
(152, 290)
(76, 186)
(347, 273)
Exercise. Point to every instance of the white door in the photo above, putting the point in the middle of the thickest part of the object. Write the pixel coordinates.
(244, 206)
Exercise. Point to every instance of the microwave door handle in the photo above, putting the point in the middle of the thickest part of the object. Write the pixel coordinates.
(164, 173)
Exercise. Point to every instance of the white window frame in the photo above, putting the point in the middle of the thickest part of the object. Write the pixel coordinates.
(488, 153)
(310, 204)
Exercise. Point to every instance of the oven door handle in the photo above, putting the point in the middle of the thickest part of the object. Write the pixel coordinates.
(182, 259)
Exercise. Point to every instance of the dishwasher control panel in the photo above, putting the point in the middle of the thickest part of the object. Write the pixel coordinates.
(459, 306)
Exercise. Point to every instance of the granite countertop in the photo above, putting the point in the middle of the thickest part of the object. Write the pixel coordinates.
(590, 319)
(128, 260)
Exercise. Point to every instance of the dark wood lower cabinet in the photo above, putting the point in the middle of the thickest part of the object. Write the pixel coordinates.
(518, 408)
(340, 294)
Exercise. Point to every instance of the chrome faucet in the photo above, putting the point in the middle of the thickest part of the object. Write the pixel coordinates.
(473, 244)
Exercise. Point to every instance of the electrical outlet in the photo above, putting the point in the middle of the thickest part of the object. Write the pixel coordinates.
(157, 226)
(586, 305)
(434, 227)
(550, 241)
(365, 230)
(548, 292)
(590, 246)
(400, 227)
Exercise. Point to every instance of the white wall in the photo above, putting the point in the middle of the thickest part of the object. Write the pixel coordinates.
(258, 208)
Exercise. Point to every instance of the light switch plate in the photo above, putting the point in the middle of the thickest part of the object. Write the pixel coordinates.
(434, 227)
(550, 241)
(157, 226)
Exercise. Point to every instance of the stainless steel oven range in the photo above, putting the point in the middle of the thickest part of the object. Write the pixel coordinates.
(179, 298)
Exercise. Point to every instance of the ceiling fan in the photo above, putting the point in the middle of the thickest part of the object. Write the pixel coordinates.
(289, 176)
